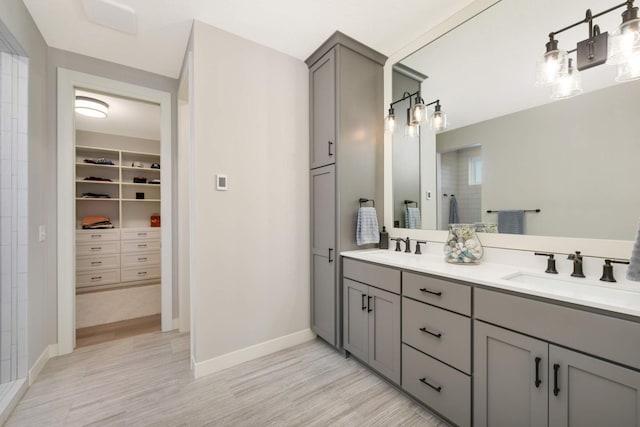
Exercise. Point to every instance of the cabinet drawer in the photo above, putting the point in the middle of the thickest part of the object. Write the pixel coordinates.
(608, 337)
(131, 246)
(140, 234)
(97, 235)
(439, 333)
(109, 247)
(371, 274)
(95, 278)
(140, 259)
(99, 262)
(142, 273)
(448, 392)
(442, 293)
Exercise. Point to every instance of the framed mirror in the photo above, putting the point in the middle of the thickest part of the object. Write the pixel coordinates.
(566, 166)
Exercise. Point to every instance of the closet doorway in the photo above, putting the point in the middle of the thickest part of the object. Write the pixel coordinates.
(114, 210)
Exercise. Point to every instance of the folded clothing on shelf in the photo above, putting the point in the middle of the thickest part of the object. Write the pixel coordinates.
(95, 196)
(94, 222)
(97, 178)
(154, 181)
(137, 165)
(139, 180)
(101, 161)
(155, 165)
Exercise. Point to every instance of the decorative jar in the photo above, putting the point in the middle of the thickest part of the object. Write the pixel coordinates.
(462, 245)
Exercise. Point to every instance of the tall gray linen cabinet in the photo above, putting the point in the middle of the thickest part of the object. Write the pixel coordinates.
(346, 164)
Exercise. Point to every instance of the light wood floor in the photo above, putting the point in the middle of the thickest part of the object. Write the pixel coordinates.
(117, 330)
(145, 380)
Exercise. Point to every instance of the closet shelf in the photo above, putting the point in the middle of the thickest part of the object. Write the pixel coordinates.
(93, 165)
(137, 184)
(132, 168)
(88, 181)
(140, 200)
(97, 199)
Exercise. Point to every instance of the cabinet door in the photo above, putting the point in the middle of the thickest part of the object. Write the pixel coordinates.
(356, 319)
(384, 333)
(507, 391)
(323, 273)
(586, 391)
(323, 111)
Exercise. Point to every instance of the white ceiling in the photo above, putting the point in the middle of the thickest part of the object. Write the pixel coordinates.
(126, 117)
(295, 27)
(486, 67)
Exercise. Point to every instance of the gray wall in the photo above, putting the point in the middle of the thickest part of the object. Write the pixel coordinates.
(575, 159)
(406, 151)
(62, 59)
(250, 281)
(42, 256)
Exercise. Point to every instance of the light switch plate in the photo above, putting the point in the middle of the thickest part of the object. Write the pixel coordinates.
(42, 233)
(222, 182)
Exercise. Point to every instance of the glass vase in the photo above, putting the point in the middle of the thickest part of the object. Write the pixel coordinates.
(462, 245)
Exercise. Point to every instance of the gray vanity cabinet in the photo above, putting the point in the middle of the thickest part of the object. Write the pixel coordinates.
(506, 392)
(323, 243)
(323, 109)
(346, 134)
(372, 316)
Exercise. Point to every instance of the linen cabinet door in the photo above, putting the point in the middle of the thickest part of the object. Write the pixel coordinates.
(384, 333)
(323, 270)
(510, 378)
(356, 319)
(589, 392)
(323, 114)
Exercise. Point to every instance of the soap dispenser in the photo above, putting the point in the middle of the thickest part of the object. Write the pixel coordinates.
(384, 238)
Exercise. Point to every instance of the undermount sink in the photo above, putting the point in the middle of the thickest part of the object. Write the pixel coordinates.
(575, 288)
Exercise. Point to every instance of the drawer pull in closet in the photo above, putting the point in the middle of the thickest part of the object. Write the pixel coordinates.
(364, 306)
(142, 245)
(556, 389)
(99, 248)
(435, 334)
(96, 236)
(142, 259)
(436, 388)
(538, 380)
(96, 278)
(330, 251)
(330, 144)
(96, 262)
(437, 293)
(142, 234)
(369, 309)
(142, 273)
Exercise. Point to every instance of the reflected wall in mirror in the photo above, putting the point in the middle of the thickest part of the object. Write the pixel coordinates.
(509, 146)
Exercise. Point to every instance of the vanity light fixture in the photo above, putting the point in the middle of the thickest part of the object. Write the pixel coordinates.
(621, 48)
(91, 107)
(416, 114)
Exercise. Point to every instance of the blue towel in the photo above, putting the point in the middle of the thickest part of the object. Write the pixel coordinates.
(633, 272)
(367, 226)
(511, 222)
(453, 211)
(412, 217)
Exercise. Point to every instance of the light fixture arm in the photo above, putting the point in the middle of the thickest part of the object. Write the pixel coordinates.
(405, 96)
(589, 17)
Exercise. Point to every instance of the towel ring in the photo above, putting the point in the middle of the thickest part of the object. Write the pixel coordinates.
(362, 201)
(408, 202)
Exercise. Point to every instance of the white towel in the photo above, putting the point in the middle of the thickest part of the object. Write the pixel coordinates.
(367, 226)
(633, 272)
(412, 217)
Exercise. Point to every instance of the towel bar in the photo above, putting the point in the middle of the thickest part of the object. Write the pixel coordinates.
(362, 201)
(526, 210)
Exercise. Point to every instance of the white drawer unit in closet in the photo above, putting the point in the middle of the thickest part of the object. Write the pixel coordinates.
(140, 234)
(97, 262)
(140, 259)
(135, 246)
(86, 236)
(141, 273)
(97, 278)
(97, 248)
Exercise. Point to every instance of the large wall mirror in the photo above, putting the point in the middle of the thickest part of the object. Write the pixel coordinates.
(570, 164)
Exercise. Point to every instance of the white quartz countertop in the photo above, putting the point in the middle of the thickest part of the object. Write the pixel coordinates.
(614, 297)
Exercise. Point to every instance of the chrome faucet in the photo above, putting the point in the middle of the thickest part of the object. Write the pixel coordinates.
(577, 264)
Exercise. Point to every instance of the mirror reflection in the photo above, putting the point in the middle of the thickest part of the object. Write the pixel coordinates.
(512, 158)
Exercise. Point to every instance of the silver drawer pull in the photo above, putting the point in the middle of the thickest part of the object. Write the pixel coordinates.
(96, 236)
(436, 388)
(142, 273)
(142, 245)
(435, 334)
(142, 259)
(142, 234)
(97, 248)
(96, 278)
(96, 262)
(437, 293)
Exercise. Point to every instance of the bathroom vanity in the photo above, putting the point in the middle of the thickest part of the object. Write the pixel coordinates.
(493, 344)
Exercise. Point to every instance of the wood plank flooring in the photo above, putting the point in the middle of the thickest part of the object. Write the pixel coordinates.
(146, 381)
(117, 330)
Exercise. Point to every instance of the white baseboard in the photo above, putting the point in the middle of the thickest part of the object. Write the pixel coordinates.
(228, 360)
(11, 397)
(49, 352)
(175, 324)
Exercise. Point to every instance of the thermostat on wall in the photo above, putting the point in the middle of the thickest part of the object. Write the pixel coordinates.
(221, 182)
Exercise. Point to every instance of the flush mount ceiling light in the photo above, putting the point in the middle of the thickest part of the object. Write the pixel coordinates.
(111, 14)
(91, 107)
(416, 114)
(622, 49)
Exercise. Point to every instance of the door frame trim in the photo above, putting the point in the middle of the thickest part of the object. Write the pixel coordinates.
(68, 80)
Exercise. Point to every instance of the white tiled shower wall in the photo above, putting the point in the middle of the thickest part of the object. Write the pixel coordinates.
(13, 216)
